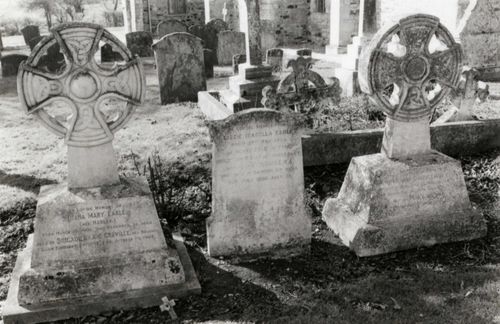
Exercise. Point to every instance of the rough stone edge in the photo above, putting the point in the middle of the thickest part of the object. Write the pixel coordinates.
(149, 297)
(282, 251)
(217, 127)
(355, 232)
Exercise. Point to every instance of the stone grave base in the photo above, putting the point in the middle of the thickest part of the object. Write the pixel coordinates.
(388, 205)
(279, 251)
(13, 313)
(95, 250)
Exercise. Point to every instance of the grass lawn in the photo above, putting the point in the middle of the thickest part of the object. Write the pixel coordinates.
(451, 283)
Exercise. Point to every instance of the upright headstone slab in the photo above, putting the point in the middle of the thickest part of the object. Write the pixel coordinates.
(207, 33)
(170, 26)
(109, 55)
(30, 32)
(301, 85)
(229, 44)
(139, 43)
(274, 58)
(10, 64)
(53, 61)
(480, 38)
(181, 67)
(258, 186)
(237, 60)
(209, 58)
(98, 244)
(34, 41)
(409, 195)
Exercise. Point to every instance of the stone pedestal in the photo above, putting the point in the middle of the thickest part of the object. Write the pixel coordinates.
(100, 170)
(96, 250)
(388, 205)
(406, 139)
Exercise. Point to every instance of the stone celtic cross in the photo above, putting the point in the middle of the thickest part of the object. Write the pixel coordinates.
(301, 85)
(90, 90)
(415, 73)
(408, 69)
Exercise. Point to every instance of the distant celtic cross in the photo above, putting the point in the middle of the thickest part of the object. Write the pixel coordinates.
(301, 85)
(87, 88)
(421, 77)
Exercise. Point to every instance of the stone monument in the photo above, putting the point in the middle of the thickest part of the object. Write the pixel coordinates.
(209, 59)
(245, 89)
(258, 205)
(10, 64)
(229, 43)
(29, 32)
(181, 67)
(274, 58)
(408, 195)
(98, 244)
(301, 89)
(238, 59)
(139, 43)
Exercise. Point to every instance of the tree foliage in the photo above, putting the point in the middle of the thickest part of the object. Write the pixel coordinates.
(59, 11)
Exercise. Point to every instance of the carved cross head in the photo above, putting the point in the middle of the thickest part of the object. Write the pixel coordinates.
(100, 98)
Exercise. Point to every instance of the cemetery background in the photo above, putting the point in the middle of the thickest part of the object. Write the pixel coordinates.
(446, 284)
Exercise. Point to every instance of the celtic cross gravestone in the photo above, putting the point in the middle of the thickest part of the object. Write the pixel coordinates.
(409, 195)
(98, 244)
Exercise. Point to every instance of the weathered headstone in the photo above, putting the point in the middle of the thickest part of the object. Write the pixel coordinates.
(181, 67)
(34, 41)
(237, 60)
(409, 195)
(208, 34)
(139, 43)
(30, 32)
(229, 44)
(109, 55)
(209, 58)
(218, 24)
(274, 58)
(170, 26)
(10, 64)
(98, 244)
(258, 186)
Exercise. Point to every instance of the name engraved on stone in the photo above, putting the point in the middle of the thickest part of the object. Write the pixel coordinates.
(417, 192)
(258, 184)
(258, 155)
(98, 229)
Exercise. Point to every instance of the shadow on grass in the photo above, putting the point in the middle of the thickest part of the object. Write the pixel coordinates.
(24, 182)
(224, 297)
(418, 286)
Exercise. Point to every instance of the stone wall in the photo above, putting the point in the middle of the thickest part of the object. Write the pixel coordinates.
(391, 11)
(158, 11)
